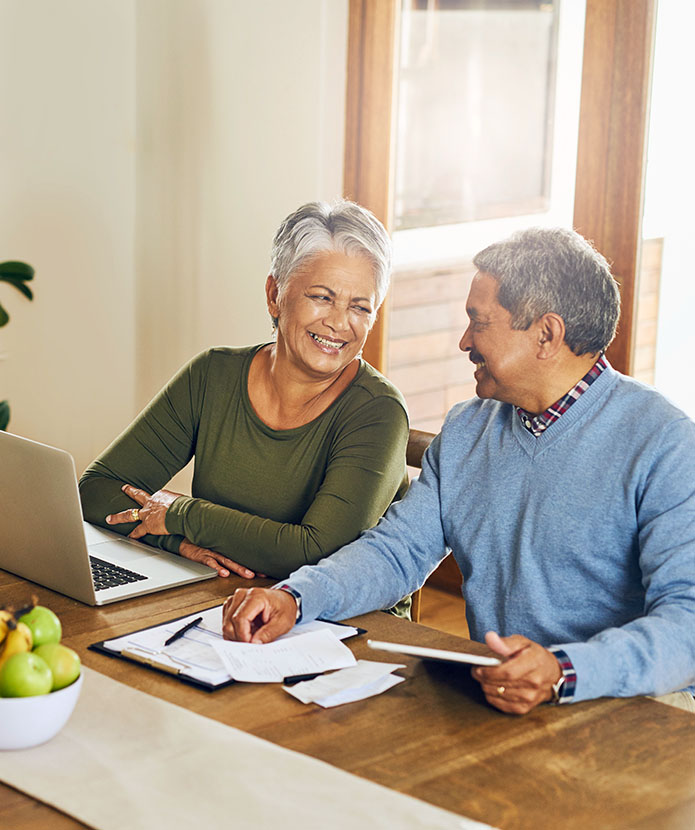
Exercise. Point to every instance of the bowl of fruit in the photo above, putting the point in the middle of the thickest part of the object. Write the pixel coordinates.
(40, 678)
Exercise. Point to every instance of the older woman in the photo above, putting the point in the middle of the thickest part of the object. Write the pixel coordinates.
(299, 444)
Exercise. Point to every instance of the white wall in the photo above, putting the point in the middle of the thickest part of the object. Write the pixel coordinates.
(148, 151)
(240, 120)
(67, 190)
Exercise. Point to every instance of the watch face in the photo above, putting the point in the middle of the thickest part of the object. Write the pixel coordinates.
(556, 689)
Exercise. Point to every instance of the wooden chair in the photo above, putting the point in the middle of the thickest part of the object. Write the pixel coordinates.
(418, 441)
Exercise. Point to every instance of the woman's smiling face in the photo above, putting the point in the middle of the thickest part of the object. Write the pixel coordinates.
(325, 313)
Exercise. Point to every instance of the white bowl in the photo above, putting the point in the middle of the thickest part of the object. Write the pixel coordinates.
(29, 721)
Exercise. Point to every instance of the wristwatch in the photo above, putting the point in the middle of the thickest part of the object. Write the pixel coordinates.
(297, 598)
(562, 691)
(556, 687)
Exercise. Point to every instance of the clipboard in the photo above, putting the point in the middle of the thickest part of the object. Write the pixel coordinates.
(166, 661)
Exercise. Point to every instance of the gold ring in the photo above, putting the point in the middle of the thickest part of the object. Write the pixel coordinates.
(500, 690)
(135, 515)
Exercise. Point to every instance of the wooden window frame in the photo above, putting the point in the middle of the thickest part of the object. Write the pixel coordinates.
(368, 166)
(616, 79)
(611, 158)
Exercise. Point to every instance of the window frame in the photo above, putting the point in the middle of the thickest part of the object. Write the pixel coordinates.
(609, 187)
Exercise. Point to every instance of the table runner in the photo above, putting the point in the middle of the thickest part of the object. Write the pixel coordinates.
(128, 760)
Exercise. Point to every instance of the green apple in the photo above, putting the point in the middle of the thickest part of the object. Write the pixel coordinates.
(45, 626)
(63, 662)
(25, 674)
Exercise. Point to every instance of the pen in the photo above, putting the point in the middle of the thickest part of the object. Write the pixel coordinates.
(182, 631)
(298, 678)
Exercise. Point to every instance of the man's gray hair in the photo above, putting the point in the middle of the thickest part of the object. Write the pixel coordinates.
(543, 270)
(343, 226)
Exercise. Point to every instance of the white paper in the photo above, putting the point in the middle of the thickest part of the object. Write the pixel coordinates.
(341, 631)
(366, 679)
(212, 624)
(194, 654)
(352, 695)
(316, 651)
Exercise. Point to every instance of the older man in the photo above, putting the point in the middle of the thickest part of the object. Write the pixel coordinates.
(565, 490)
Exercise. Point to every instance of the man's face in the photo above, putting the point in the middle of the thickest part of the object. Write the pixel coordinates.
(505, 358)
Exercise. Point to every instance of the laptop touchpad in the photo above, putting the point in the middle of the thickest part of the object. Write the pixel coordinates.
(120, 552)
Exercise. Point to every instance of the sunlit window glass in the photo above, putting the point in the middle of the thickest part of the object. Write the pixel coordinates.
(475, 102)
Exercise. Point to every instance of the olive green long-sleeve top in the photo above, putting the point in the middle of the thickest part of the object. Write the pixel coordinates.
(272, 500)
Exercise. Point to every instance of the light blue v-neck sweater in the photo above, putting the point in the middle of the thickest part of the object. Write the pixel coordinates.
(583, 537)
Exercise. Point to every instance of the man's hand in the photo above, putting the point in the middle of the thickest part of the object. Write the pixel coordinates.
(258, 615)
(524, 679)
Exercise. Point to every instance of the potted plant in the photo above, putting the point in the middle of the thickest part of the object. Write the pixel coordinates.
(17, 274)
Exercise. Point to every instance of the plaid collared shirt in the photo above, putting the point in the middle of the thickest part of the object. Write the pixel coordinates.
(537, 424)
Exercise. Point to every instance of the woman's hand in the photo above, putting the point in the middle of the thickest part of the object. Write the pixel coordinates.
(222, 564)
(151, 514)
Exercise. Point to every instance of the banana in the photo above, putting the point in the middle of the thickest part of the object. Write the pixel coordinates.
(5, 617)
(18, 639)
(9, 614)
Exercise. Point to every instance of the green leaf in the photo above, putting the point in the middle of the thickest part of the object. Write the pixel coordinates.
(28, 293)
(4, 317)
(4, 414)
(16, 270)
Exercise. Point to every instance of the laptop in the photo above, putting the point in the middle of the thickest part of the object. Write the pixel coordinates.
(43, 537)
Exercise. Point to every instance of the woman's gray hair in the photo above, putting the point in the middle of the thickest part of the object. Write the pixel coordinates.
(343, 226)
(543, 270)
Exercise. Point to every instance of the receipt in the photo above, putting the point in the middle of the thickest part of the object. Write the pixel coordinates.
(366, 679)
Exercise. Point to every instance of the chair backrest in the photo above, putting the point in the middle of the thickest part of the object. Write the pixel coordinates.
(418, 441)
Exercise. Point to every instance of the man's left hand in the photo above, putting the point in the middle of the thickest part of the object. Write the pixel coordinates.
(524, 679)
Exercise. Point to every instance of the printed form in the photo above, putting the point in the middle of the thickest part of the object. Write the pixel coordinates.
(203, 654)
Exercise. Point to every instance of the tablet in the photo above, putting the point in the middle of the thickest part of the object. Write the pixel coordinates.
(435, 653)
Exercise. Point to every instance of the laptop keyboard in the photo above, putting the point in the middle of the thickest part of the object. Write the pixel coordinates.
(107, 575)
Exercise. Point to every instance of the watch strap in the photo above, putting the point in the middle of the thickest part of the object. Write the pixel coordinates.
(563, 689)
(297, 598)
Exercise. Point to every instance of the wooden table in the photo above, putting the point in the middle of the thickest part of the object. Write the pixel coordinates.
(599, 764)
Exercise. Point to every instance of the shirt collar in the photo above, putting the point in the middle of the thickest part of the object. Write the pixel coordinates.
(537, 424)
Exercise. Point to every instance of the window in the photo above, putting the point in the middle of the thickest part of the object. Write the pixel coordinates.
(475, 108)
(488, 99)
